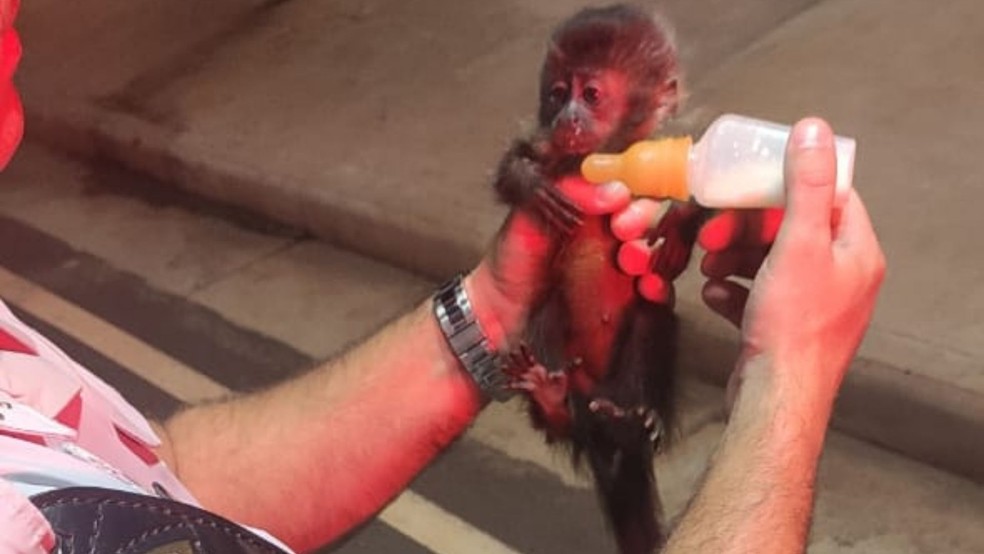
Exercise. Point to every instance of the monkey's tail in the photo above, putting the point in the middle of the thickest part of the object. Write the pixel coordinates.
(620, 453)
(626, 487)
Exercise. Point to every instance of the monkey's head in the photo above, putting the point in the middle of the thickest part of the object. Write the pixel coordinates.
(608, 80)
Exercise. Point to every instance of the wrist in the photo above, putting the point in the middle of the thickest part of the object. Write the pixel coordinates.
(498, 315)
(473, 336)
(785, 393)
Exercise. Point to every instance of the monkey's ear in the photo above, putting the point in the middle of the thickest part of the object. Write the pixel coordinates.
(666, 98)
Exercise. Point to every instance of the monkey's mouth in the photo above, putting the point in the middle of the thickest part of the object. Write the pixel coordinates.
(574, 139)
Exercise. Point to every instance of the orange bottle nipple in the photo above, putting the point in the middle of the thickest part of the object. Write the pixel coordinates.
(653, 168)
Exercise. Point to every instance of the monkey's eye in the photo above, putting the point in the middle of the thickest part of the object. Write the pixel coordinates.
(558, 93)
(591, 94)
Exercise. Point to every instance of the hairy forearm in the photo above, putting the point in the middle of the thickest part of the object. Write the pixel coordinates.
(313, 457)
(758, 494)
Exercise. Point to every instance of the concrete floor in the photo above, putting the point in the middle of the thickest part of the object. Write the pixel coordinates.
(374, 125)
(313, 299)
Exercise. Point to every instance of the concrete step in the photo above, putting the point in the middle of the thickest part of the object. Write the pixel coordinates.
(242, 304)
(373, 125)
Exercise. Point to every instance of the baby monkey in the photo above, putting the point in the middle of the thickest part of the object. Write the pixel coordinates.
(600, 372)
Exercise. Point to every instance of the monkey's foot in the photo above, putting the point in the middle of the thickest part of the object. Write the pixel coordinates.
(547, 389)
(556, 210)
(640, 415)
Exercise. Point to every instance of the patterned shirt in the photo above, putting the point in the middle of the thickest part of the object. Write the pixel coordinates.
(61, 426)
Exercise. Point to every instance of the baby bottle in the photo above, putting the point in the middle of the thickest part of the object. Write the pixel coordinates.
(737, 163)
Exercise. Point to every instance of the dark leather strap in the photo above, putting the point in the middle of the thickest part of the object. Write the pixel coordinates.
(101, 521)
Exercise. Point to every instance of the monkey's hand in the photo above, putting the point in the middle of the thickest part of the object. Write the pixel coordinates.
(674, 238)
(521, 182)
(547, 389)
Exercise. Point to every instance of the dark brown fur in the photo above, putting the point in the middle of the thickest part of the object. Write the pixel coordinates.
(600, 341)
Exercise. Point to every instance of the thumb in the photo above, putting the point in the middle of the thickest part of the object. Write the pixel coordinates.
(811, 175)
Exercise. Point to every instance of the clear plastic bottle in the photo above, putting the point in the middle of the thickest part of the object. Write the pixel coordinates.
(737, 163)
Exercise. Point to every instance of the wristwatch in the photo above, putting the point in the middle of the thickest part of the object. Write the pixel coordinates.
(467, 340)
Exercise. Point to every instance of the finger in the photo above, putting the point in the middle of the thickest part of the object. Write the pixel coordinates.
(596, 199)
(525, 353)
(641, 215)
(605, 407)
(556, 376)
(521, 386)
(732, 228)
(511, 369)
(726, 298)
(811, 171)
(855, 236)
(652, 287)
(733, 263)
(854, 226)
(634, 257)
(767, 228)
(721, 231)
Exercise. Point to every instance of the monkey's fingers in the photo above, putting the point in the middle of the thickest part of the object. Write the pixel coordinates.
(556, 377)
(651, 422)
(556, 222)
(520, 385)
(574, 364)
(513, 366)
(672, 257)
(558, 211)
(607, 408)
(727, 298)
(527, 354)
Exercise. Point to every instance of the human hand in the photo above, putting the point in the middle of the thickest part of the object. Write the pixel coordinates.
(813, 296)
(513, 276)
(658, 239)
(635, 254)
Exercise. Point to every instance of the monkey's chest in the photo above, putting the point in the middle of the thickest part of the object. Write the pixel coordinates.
(596, 294)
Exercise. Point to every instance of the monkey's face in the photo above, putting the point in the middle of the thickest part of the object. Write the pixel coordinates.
(583, 110)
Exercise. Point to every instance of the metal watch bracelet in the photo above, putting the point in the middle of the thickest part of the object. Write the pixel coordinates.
(457, 320)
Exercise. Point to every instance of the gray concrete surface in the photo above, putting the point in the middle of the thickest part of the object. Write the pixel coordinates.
(363, 121)
(870, 500)
(374, 124)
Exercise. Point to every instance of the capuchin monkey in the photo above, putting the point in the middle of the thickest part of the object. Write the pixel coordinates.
(600, 373)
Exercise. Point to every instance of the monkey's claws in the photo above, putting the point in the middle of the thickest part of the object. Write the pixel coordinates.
(646, 417)
(526, 374)
(558, 212)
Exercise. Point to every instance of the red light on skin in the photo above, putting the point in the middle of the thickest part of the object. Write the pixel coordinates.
(8, 13)
(654, 288)
(11, 110)
(732, 228)
(10, 54)
(634, 257)
(11, 123)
